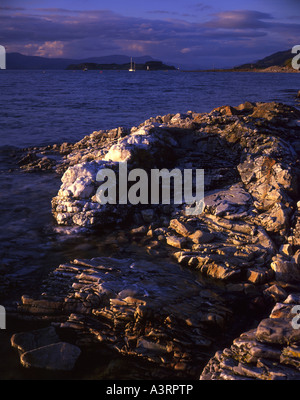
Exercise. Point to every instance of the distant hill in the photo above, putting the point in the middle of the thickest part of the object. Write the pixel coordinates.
(279, 59)
(277, 62)
(20, 61)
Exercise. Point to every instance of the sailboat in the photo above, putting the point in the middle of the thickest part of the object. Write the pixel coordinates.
(132, 68)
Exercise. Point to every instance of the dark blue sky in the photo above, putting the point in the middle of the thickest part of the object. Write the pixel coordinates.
(185, 33)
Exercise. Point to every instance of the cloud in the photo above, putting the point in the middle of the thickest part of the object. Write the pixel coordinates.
(54, 32)
(185, 50)
(51, 49)
(239, 19)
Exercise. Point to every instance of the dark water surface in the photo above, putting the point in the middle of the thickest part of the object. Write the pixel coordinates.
(46, 107)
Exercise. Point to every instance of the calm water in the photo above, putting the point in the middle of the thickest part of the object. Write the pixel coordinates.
(39, 108)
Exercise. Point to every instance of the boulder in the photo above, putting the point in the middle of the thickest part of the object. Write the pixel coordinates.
(59, 356)
(27, 341)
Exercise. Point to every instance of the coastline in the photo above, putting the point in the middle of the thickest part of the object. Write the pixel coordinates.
(272, 69)
(229, 268)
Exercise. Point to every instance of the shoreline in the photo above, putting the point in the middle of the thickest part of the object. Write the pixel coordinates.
(235, 261)
(273, 69)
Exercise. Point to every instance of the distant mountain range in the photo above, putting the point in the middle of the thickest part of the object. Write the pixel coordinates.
(280, 60)
(20, 61)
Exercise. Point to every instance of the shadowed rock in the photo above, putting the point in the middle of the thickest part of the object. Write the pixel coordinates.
(157, 312)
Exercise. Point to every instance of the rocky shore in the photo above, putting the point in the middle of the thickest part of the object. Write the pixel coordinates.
(206, 296)
(272, 69)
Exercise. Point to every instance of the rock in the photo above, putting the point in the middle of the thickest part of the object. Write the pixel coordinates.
(35, 161)
(255, 165)
(268, 352)
(278, 329)
(181, 228)
(259, 275)
(220, 271)
(148, 215)
(286, 249)
(287, 271)
(246, 107)
(276, 292)
(139, 231)
(234, 200)
(199, 237)
(246, 240)
(227, 110)
(296, 258)
(26, 341)
(158, 312)
(176, 241)
(57, 356)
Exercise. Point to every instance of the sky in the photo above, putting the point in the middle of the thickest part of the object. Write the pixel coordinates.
(184, 33)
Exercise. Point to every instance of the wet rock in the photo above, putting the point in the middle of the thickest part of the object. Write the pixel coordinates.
(37, 162)
(57, 356)
(42, 348)
(158, 312)
(26, 341)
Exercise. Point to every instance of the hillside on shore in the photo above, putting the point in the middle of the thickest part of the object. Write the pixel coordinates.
(276, 62)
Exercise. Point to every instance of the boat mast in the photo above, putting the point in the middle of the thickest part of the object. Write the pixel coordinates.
(131, 69)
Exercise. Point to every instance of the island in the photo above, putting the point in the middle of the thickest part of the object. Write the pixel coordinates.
(147, 66)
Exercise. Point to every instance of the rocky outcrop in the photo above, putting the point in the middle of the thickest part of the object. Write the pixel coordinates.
(268, 352)
(248, 146)
(196, 275)
(157, 312)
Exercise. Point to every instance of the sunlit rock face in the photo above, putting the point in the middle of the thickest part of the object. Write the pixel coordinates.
(171, 304)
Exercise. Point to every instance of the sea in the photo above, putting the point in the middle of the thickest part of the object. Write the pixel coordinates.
(38, 108)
